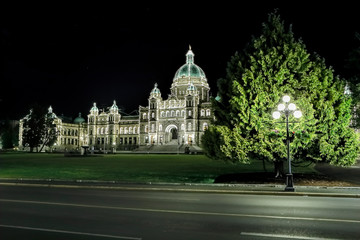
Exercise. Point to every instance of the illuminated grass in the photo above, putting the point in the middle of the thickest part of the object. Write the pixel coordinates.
(122, 167)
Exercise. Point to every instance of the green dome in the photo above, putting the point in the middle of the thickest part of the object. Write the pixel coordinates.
(79, 119)
(189, 69)
(155, 89)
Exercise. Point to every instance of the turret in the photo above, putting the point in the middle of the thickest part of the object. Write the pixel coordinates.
(94, 110)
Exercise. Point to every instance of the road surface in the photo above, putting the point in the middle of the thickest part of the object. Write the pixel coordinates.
(68, 213)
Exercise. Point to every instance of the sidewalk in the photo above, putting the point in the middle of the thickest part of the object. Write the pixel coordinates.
(256, 189)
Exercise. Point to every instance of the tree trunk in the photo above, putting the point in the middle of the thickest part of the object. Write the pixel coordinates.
(264, 167)
(279, 169)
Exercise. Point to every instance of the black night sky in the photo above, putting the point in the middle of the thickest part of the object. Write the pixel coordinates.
(71, 56)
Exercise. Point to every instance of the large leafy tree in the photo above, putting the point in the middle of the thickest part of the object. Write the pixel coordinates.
(39, 129)
(272, 65)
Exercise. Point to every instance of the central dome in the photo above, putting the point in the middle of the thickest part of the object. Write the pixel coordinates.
(189, 69)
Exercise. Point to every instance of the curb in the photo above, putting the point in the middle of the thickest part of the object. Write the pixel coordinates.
(176, 187)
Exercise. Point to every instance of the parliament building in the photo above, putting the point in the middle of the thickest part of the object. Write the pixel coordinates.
(180, 120)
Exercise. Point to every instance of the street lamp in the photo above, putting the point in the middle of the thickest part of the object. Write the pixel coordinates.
(287, 108)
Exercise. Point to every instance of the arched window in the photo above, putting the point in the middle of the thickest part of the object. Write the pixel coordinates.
(205, 126)
(160, 127)
(177, 113)
(153, 115)
(189, 113)
(167, 114)
(202, 112)
(182, 127)
(183, 113)
(189, 126)
(144, 116)
(90, 131)
(76, 132)
(134, 130)
(126, 130)
(98, 131)
(162, 114)
(207, 112)
(152, 127)
(121, 130)
(106, 130)
(130, 130)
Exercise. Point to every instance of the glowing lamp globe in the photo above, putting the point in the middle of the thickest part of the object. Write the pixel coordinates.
(297, 114)
(281, 107)
(286, 98)
(292, 107)
(276, 115)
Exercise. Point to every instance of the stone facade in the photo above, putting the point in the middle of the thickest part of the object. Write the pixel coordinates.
(180, 119)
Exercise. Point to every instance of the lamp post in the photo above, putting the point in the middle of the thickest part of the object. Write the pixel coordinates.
(287, 108)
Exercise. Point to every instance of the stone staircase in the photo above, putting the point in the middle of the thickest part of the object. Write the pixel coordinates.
(171, 147)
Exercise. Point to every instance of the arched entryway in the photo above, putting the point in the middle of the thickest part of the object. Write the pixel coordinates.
(171, 134)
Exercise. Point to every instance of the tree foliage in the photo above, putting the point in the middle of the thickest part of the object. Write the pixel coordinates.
(272, 65)
(353, 81)
(39, 129)
(9, 134)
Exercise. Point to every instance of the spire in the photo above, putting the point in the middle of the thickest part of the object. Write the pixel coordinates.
(50, 110)
(190, 56)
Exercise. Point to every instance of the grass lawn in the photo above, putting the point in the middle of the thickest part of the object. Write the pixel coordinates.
(124, 167)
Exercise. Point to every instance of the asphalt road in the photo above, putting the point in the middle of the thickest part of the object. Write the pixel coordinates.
(67, 213)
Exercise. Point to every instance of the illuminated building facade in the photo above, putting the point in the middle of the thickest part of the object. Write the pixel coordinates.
(181, 119)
